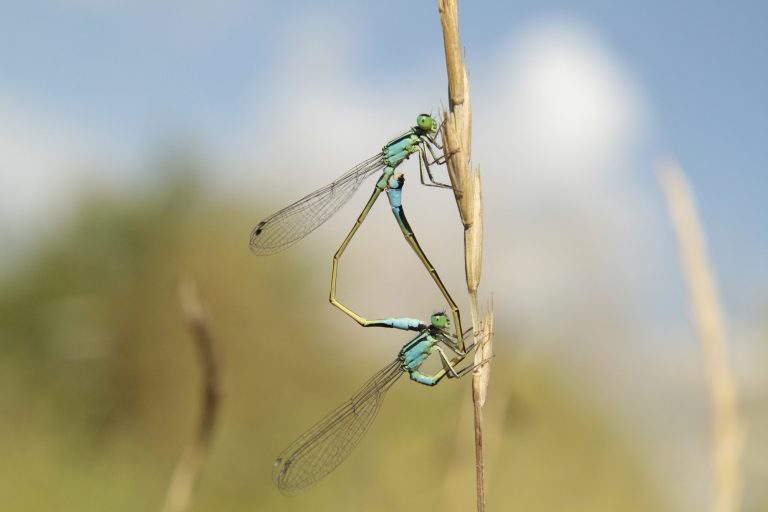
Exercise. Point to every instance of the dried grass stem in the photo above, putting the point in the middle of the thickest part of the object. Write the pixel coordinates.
(457, 139)
(727, 438)
(188, 468)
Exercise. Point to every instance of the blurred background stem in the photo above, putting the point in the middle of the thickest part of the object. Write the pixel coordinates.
(708, 317)
(192, 459)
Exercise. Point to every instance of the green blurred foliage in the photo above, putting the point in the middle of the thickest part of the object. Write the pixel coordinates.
(99, 384)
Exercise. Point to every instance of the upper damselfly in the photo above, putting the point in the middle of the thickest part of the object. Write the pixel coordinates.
(289, 225)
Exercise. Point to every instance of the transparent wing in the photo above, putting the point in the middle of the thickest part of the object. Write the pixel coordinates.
(289, 225)
(324, 446)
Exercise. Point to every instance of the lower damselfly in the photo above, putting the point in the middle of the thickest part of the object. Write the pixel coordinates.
(323, 447)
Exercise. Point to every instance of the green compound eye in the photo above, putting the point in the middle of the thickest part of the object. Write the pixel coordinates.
(440, 321)
(426, 123)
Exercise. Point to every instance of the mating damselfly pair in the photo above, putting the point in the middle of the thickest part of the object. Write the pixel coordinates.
(322, 448)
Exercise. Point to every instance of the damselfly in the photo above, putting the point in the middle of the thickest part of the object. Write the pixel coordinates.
(287, 226)
(323, 447)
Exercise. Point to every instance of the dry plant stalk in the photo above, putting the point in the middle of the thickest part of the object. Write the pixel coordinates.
(192, 459)
(728, 435)
(457, 140)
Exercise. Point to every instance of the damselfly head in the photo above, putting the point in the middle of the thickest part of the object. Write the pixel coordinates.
(426, 123)
(440, 321)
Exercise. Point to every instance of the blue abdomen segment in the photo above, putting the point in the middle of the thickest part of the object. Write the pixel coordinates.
(406, 324)
(395, 196)
(395, 201)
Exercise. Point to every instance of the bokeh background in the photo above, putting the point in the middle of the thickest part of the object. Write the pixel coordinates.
(141, 141)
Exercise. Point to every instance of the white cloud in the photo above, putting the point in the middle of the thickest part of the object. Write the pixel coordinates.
(556, 136)
(39, 159)
(566, 106)
(45, 163)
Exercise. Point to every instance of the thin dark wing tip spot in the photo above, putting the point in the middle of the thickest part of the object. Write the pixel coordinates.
(295, 221)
